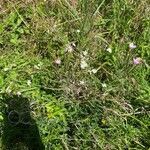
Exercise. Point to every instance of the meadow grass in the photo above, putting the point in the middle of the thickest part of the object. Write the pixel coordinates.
(85, 67)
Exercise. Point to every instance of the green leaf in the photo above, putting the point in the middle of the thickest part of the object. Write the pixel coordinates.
(1, 117)
(1, 81)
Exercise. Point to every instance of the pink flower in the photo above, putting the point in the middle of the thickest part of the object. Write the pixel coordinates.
(137, 61)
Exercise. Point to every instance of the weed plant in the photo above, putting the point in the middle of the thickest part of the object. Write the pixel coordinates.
(84, 65)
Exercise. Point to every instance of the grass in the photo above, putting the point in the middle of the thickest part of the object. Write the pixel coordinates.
(84, 95)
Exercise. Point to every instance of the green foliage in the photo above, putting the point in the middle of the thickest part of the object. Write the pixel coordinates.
(104, 105)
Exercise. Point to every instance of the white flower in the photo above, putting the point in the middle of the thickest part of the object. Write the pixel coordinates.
(85, 53)
(82, 82)
(29, 82)
(40, 64)
(18, 93)
(94, 71)
(78, 31)
(83, 64)
(36, 67)
(132, 46)
(69, 48)
(58, 61)
(6, 69)
(104, 85)
(109, 50)
(8, 90)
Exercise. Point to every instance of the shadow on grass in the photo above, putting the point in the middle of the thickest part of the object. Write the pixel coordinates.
(19, 129)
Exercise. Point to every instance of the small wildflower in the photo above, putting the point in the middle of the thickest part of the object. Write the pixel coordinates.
(8, 90)
(40, 64)
(18, 93)
(83, 64)
(36, 67)
(29, 82)
(104, 85)
(6, 69)
(82, 82)
(69, 48)
(85, 53)
(58, 61)
(13, 65)
(132, 46)
(94, 71)
(109, 50)
(78, 31)
(137, 61)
